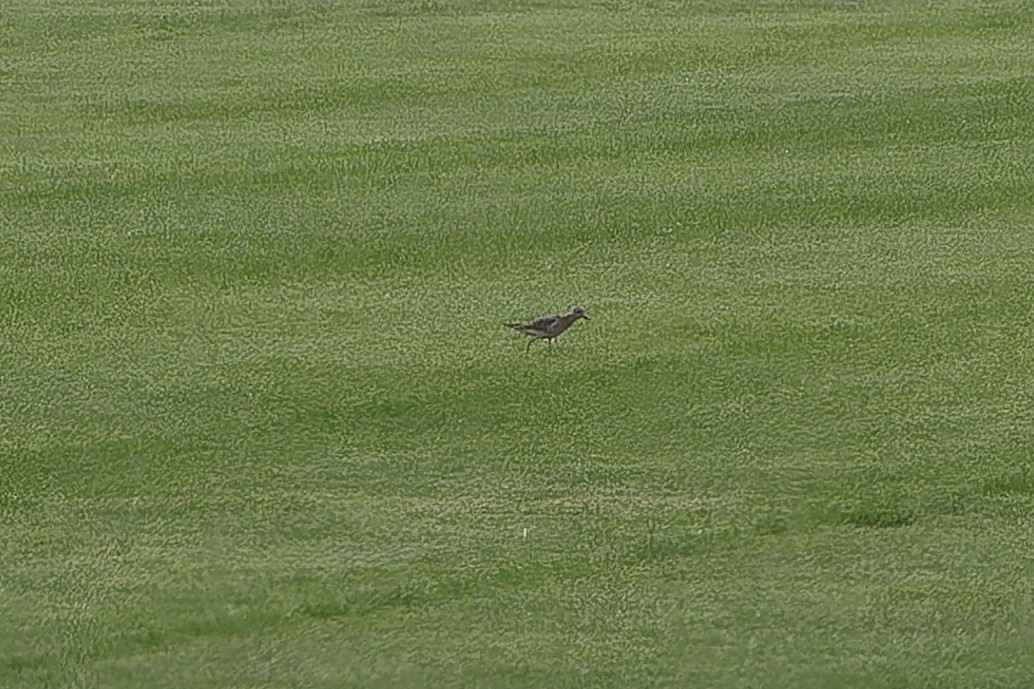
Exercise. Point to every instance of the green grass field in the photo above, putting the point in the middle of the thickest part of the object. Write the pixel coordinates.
(261, 425)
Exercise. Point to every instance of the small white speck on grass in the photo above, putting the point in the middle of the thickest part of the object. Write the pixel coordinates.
(524, 533)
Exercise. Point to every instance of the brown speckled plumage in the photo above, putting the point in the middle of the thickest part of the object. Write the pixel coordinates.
(548, 327)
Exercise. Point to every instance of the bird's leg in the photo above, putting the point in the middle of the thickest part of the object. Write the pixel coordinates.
(528, 348)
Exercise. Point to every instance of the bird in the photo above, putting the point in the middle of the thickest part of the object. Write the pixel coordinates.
(547, 327)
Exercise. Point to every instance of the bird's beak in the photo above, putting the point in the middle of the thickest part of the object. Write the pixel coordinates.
(585, 317)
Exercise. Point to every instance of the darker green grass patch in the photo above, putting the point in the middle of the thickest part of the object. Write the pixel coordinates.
(1011, 481)
(383, 598)
(881, 514)
(26, 663)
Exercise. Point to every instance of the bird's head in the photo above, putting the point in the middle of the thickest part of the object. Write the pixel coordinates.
(579, 313)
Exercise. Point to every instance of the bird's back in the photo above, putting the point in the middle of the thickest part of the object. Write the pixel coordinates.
(547, 325)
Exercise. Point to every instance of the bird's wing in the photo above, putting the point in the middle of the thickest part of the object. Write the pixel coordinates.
(544, 322)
